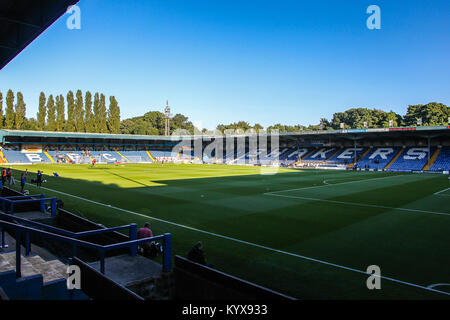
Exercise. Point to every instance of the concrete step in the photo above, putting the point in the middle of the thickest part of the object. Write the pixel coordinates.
(32, 265)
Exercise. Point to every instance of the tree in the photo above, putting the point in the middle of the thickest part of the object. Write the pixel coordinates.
(88, 116)
(1, 110)
(31, 124)
(359, 118)
(70, 124)
(20, 112)
(180, 121)
(102, 115)
(51, 114)
(155, 120)
(432, 114)
(79, 112)
(42, 112)
(387, 117)
(10, 116)
(60, 114)
(97, 119)
(324, 124)
(113, 116)
(258, 128)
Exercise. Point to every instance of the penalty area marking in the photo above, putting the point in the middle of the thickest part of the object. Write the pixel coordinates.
(442, 195)
(250, 243)
(337, 184)
(276, 194)
(439, 285)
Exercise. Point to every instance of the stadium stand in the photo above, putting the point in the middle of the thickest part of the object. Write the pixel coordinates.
(412, 159)
(442, 162)
(379, 149)
(347, 155)
(378, 158)
(321, 154)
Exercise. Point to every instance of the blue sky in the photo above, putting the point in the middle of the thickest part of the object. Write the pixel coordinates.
(217, 61)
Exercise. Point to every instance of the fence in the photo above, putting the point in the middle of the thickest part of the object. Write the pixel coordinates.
(73, 238)
(41, 199)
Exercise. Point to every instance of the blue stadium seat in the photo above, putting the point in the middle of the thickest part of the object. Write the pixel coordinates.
(378, 158)
(414, 158)
(442, 162)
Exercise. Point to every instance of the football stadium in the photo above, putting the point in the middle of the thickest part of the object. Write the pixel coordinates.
(320, 213)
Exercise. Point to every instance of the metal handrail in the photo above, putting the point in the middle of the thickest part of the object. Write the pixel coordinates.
(20, 229)
(23, 199)
(5, 216)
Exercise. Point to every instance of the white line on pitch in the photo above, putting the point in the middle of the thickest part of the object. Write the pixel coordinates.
(335, 184)
(249, 243)
(439, 285)
(356, 204)
(439, 192)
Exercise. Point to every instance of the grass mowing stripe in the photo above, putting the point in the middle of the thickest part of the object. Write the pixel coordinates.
(335, 184)
(249, 243)
(442, 191)
(357, 204)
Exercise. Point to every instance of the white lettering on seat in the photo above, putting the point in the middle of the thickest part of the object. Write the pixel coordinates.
(416, 154)
(382, 153)
(33, 157)
(349, 153)
(322, 153)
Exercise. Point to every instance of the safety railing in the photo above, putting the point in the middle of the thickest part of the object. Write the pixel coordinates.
(41, 199)
(102, 249)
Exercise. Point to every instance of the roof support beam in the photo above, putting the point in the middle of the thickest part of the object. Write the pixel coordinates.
(20, 22)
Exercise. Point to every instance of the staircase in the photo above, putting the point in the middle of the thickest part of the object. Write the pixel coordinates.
(307, 155)
(41, 280)
(2, 157)
(432, 160)
(360, 158)
(334, 154)
(395, 158)
(34, 264)
(49, 156)
(150, 155)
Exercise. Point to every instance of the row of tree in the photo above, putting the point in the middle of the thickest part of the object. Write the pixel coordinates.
(431, 114)
(153, 123)
(89, 114)
(84, 113)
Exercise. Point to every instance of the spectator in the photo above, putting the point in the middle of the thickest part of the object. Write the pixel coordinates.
(3, 177)
(148, 249)
(197, 255)
(39, 179)
(23, 180)
(9, 176)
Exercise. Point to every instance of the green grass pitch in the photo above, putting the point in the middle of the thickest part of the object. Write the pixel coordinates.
(310, 234)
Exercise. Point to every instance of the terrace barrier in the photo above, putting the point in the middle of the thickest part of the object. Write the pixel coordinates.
(73, 239)
(41, 199)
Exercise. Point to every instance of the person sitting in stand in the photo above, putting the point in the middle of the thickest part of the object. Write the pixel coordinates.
(197, 255)
(148, 249)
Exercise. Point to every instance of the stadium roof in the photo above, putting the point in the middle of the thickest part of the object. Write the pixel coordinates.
(431, 132)
(22, 21)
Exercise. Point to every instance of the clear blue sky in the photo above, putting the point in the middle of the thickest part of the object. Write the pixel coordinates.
(219, 61)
